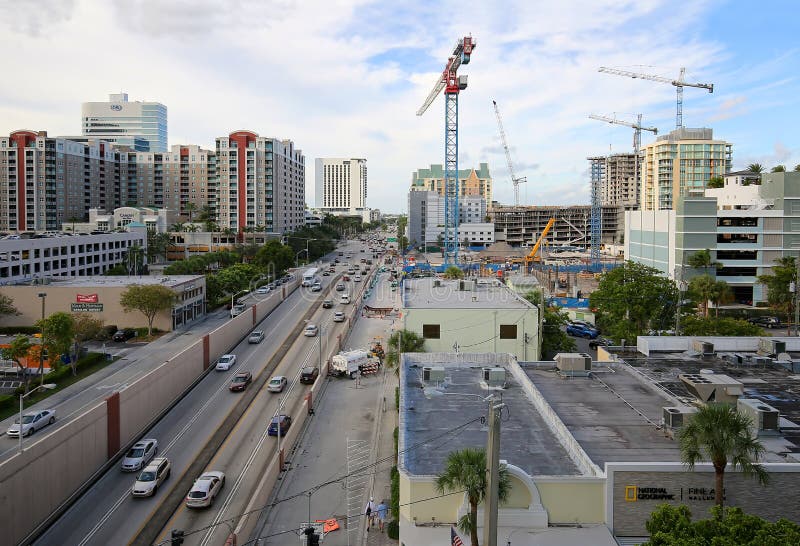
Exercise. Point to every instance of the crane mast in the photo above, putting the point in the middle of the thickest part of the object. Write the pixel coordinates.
(452, 84)
(514, 180)
(679, 85)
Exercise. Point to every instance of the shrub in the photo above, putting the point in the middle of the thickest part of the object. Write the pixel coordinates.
(8, 401)
(11, 330)
(397, 398)
(106, 332)
(393, 530)
(395, 492)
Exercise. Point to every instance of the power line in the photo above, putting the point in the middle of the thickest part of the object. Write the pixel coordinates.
(313, 488)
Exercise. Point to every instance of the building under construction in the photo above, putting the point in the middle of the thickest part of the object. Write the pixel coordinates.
(524, 224)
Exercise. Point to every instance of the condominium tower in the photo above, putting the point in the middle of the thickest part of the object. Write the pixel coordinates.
(470, 181)
(261, 183)
(341, 185)
(680, 164)
(142, 126)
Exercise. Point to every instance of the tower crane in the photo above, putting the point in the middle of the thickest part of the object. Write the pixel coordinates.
(596, 219)
(679, 85)
(514, 180)
(452, 84)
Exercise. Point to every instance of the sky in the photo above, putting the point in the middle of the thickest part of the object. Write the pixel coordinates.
(344, 78)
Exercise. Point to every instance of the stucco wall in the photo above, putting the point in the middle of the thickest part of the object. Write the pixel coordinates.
(568, 500)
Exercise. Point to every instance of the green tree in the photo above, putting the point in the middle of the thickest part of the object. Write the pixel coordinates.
(189, 209)
(797, 168)
(7, 306)
(134, 260)
(673, 526)
(633, 298)
(275, 256)
(554, 339)
(701, 289)
(784, 272)
(779, 169)
(453, 272)
(87, 328)
(402, 341)
(148, 299)
(58, 332)
(465, 470)
(693, 325)
(715, 182)
(720, 434)
(157, 244)
(177, 227)
(16, 351)
(702, 260)
(721, 294)
(755, 168)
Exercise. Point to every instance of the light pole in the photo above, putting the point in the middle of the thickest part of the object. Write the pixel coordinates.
(297, 257)
(236, 294)
(43, 297)
(46, 386)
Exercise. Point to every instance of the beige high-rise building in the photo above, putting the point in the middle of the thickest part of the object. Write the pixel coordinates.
(261, 183)
(471, 182)
(680, 164)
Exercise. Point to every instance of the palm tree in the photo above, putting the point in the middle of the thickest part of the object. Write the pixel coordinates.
(177, 226)
(465, 470)
(720, 434)
(453, 272)
(402, 341)
(757, 168)
(778, 169)
(721, 294)
(191, 228)
(797, 168)
(702, 288)
(190, 208)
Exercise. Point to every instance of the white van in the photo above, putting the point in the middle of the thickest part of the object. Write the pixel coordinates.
(344, 298)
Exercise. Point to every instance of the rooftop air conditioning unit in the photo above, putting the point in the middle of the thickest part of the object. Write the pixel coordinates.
(433, 374)
(771, 347)
(573, 363)
(763, 416)
(705, 348)
(495, 377)
(675, 417)
(712, 387)
(437, 283)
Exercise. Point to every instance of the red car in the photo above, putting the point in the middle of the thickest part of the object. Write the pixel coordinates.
(346, 278)
(240, 381)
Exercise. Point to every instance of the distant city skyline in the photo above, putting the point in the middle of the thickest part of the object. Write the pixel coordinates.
(220, 68)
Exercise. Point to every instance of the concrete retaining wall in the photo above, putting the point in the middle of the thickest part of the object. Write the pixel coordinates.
(37, 485)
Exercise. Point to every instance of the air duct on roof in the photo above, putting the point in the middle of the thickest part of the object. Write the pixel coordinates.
(712, 387)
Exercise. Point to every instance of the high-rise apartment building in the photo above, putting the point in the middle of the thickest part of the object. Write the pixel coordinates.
(470, 181)
(45, 181)
(142, 126)
(680, 164)
(618, 179)
(341, 185)
(261, 183)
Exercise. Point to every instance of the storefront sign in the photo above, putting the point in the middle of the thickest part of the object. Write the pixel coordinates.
(635, 493)
(86, 298)
(86, 307)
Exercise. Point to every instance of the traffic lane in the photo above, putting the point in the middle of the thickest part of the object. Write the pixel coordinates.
(247, 450)
(75, 399)
(350, 412)
(109, 503)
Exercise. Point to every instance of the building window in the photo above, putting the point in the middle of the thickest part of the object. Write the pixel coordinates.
(430, 331)
(508, 331)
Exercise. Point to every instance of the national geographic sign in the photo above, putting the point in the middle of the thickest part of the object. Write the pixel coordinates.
(637, 494)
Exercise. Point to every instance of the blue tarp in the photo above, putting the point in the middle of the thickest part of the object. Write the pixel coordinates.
(569, 302)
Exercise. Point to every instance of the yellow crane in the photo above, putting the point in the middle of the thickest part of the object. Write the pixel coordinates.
(532, 254)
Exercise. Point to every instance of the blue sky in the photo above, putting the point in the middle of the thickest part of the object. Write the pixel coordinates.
(344, 78)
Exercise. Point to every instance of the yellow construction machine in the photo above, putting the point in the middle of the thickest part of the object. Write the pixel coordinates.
(532, 255)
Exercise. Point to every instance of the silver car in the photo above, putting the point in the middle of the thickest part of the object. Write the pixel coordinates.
(151, 477)
(139, 455)
(31, 422)
(277, 384)
(256, 336)
(205, 489)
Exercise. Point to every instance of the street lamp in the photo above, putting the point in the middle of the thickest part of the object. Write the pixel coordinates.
(297, 257)
(43, 297)
(46, 386)
(236, 294)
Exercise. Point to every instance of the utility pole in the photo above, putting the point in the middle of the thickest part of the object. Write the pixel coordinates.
(492, 499)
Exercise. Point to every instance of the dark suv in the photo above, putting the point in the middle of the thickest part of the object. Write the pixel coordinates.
(309, 375)
(124, 335)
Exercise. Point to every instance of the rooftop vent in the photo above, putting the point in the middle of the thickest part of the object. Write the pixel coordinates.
(705, 348)
(433, 374)
(494, 377)
(573, 363)
(771, 347)
(712, 387)
(763, 416)
(437, 283)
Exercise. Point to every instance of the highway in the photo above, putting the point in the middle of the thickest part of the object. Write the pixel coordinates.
(106, 513)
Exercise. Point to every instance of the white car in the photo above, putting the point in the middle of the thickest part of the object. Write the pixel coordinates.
(151, 477)
(225, 363)
(317, 287)
(256, 336)
(357, 278)
(31, 422)
(311, 330)
(277, 384)
(205, 489)
(139, 455)
(263, 290)
(338, 316)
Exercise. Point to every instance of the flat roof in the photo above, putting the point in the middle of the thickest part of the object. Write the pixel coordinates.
(433, 293)
(611, 414)
(526, 440)
(166, 280)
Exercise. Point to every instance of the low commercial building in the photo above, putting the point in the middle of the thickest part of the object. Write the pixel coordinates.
(99, 296)
(34, 258)
(590, 447)
(474, 315)
(746, 226)
(154, 219)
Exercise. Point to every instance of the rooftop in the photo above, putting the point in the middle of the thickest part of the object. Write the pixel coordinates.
(171, 280)
(426, 423)
(613, 415)
(433, 293)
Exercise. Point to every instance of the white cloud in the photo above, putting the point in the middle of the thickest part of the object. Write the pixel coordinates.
(345, 78)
